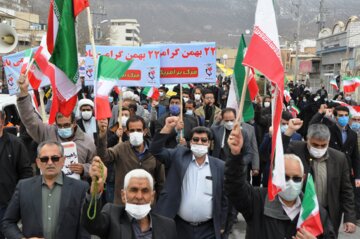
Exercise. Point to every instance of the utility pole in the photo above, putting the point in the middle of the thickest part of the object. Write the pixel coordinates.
(297, 37)
(321, 19)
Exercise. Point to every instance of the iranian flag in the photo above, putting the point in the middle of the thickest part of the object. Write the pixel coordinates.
(34, 74)
(108, 72)
(62, 45)
(295, 111)
(350, 83)
(237, 85)
(334, 84)
(151, 92)
(287, 96)
(264, 55)
(309, 218)
(354, 110)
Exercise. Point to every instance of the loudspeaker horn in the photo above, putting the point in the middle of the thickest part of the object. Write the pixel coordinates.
(8, 38)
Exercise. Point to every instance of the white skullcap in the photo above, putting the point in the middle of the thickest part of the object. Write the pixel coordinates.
(128, 95)
(85, 102)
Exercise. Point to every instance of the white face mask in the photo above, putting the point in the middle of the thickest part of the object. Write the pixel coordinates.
(161, 94)
(292, 190)
(136, 138)
(124, 119)
(186, 99)
(229, 125)
(197, 96)
(189, 112)
(266, 104)
(283, 128)
(199, 150)
(317, 153)
(137, 211)
(86, 115)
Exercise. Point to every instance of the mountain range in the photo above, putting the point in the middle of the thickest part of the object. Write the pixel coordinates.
(213, 20)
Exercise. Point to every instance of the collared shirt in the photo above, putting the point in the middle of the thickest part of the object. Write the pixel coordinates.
(50, 206)
(141, 155)
(197, 192)
(137, 229)
(293, 211)
(320, 178)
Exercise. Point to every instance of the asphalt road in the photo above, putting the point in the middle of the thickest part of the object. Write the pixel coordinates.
(239, 231)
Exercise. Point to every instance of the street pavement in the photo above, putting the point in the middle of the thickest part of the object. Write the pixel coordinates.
(239, 231)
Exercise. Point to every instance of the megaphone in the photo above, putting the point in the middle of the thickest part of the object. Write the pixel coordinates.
(8, 38)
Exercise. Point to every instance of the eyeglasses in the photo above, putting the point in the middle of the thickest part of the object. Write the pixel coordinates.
(296, 179)
(53, 158)
(197, 139)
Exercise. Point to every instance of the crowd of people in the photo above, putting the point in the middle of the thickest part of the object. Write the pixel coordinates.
(179, 168)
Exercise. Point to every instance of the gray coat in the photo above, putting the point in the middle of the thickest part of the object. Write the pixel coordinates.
(26, 206)
(40, 132)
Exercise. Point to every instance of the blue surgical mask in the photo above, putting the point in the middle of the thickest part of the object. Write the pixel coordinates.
(174, 110)
(283, 128)
(111, 99)
(65, 132)
(343, 120)
(355, 126)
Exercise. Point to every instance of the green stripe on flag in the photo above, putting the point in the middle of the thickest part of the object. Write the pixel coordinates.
(65, 53)
(308, 202)
(239, 72)
(111, 69)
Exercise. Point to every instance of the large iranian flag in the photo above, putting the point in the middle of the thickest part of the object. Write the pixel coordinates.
(309, 218)
(264, 55)
(62, 45)
(109, 71)
(237, 83)
(350, 83)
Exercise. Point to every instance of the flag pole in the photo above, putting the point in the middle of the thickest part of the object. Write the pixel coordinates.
(29, 66)
(243, 93)
(91, 35)
(42, 105)
(181, 108)
(120, 102)
(93, 49)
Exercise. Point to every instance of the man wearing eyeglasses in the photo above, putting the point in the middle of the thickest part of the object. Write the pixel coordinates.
(193, 192)
(48, 205)
(330, 171)
(64, 130)
(265, 218)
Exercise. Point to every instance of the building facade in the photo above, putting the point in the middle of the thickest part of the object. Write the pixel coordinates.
(338, 49)
(124, 32)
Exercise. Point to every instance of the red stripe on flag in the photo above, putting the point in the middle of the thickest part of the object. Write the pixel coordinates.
(33, 80)
(103, 110)
(79, 6)
(313, 224)
(252, 86)
(50, 32)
